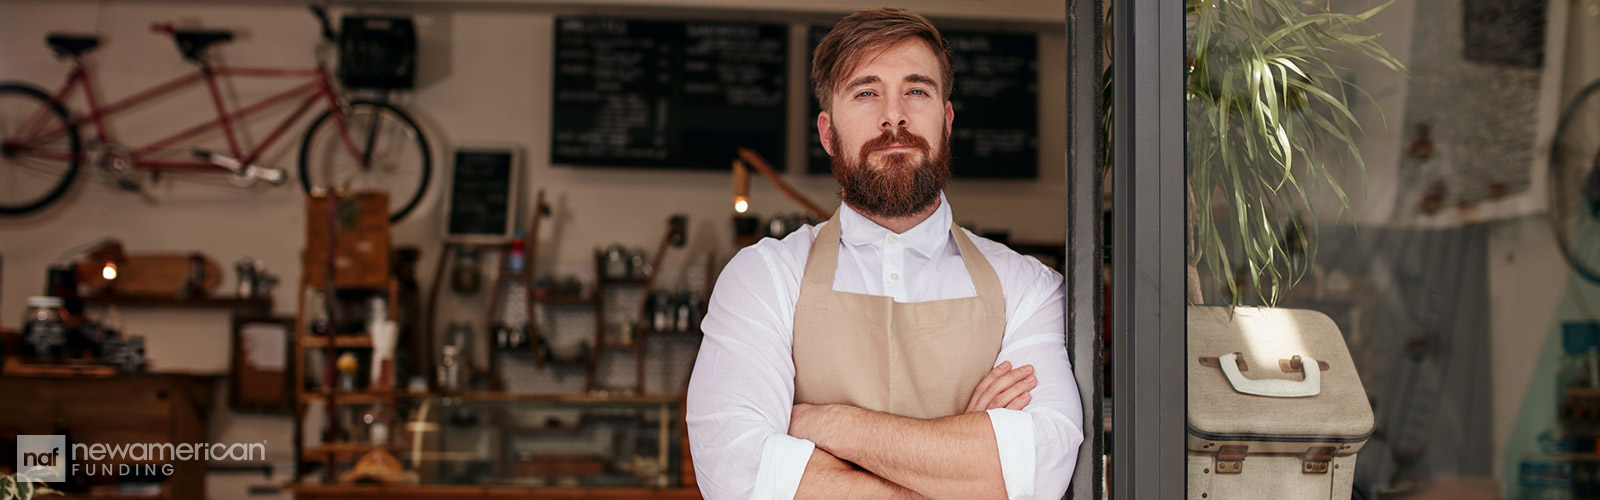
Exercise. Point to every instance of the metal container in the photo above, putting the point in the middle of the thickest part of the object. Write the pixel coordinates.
(44, 334)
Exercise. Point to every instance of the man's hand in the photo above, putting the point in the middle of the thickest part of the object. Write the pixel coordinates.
(1003, 387)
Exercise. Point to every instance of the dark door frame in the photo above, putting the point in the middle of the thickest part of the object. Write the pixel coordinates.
(1148, 228)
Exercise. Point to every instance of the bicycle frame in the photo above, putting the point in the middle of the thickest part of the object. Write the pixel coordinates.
(318, 87)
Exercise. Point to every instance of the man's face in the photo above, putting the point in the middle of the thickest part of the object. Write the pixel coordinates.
(888, 131)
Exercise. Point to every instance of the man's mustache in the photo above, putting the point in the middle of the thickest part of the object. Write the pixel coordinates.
(891, 137)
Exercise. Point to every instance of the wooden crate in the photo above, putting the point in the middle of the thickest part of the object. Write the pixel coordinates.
(362, 254)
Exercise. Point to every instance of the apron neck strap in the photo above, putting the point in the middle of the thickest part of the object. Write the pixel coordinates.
(983, 276)
(824, 256)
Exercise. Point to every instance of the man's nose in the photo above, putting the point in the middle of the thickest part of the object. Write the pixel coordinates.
(894, 115)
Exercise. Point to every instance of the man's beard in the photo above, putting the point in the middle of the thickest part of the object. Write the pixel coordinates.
(896, 188)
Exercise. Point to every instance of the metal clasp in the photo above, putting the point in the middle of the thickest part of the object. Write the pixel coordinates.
(1316, 460)
(1230, 459)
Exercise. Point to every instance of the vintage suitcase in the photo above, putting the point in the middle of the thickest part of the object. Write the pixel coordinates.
(1275, 407)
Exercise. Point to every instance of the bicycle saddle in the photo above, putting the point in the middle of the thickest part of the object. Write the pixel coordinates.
(192, 43)
(65, 45)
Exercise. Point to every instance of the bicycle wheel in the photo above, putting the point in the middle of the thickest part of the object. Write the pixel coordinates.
(386, 151)
(1574, 183)
(39, 152)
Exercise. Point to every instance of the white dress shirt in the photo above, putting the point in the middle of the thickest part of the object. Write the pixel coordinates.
(742, 388)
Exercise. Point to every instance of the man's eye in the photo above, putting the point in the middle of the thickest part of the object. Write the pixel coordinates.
(864, 93)
(919, 92)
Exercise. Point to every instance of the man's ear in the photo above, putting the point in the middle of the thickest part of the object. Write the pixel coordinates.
(825, 130)
(949, 115)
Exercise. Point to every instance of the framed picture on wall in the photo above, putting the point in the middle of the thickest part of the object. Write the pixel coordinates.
(261, 366)
(482, 195)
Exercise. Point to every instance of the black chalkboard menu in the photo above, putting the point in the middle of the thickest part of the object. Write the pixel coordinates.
(482, 187)
(677, 94)
(996, 99)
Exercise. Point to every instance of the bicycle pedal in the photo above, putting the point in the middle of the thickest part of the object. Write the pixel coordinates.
(220, 160)
(128, 184)
(273, 175)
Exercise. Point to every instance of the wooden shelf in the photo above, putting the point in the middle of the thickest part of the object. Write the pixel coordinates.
(436, 492)
(567, 398)
(359, 397)
(202, 302)
(106, 496)
(1583, 392)
(351, 451)
(691, 331)
(532, 429)
(582, 361)
(374, 397)
(565, 299)
(361, 341)
(16, 367)
(1578, 457)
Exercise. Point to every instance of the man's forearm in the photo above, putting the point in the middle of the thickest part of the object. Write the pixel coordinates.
(827, 477)
(951, 457)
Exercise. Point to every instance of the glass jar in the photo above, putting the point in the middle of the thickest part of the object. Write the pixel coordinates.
(467, 274)
(44, 333)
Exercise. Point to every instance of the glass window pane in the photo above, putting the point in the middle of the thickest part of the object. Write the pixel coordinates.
(1393, 227)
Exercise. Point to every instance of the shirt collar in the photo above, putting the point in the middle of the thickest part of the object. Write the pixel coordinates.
(927, 237)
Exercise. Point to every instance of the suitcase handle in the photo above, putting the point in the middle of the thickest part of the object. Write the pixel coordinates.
(1275, 388)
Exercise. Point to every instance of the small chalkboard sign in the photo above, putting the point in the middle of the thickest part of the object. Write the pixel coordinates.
(483, 193)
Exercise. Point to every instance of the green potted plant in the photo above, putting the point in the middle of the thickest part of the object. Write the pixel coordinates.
(12, 488)
(1268, 117)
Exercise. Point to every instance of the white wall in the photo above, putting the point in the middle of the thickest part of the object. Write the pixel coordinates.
(483, 68)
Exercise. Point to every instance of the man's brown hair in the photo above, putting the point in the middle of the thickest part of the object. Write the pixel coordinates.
(864, 33)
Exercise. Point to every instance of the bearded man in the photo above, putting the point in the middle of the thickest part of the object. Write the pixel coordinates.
(886, 353)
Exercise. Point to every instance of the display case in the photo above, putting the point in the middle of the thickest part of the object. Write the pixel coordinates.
(471, 443)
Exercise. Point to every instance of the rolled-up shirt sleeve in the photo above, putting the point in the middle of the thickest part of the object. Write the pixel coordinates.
(1039, 444)
(742, 389)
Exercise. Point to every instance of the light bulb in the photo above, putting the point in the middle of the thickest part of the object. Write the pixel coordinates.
(109, 272)
(740, 206)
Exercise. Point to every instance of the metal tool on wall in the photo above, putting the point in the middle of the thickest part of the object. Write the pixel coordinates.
(516, 270)
(677, 234)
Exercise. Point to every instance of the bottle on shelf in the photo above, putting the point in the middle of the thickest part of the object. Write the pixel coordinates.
(511, 321)
(467, 276)
(347, 366)
(455, 367)
(449, 369)
(317, 307)
(376, 420)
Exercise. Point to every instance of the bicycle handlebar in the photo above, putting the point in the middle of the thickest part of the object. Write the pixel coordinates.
(322, 18)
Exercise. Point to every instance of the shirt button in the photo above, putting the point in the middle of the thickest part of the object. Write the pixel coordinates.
(893, 239)
(894, 277)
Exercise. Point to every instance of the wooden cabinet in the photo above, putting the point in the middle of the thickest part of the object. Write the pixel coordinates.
(117, 409)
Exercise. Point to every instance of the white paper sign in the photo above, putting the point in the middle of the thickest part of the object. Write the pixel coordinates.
(264, 346)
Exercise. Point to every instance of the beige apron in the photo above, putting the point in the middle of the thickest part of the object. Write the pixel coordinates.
(920, 359)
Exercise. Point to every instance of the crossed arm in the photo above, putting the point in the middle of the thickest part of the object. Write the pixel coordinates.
(867, 454)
